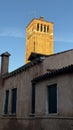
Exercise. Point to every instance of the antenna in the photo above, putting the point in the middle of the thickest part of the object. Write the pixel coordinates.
(34, 13)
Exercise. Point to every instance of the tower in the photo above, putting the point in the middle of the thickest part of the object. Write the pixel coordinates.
(39, 37)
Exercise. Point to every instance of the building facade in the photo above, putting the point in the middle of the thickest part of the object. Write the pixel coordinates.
(38, 95)
(39, 37)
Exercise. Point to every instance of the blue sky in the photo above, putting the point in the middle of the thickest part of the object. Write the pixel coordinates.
(15, 16)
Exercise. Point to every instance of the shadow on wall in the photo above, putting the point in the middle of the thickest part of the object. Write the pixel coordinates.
(13, 125)
(16, 125)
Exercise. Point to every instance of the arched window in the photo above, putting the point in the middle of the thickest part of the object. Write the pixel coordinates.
(41, 28)
(44, 28)
(47, 28)
(38, 27)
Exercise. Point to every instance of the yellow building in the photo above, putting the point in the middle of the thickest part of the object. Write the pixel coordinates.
(39, 37)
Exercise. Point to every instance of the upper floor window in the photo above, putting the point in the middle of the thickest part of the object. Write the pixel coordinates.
(44, 28)
(52, 98)
(13, 103)
(38, 27)
(6, 102)
(13, 98)
(41, 28)
(33, 99)
(47, 28)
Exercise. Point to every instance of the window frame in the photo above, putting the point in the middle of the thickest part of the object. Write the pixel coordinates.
(54, 110)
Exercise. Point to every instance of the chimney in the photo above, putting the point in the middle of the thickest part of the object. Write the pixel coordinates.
(41, 18)
(4, 62)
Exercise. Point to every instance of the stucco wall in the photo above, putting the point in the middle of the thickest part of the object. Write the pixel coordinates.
(63, 120)
(58, 60)
(38, 124)
(22, 81)
(64, 95)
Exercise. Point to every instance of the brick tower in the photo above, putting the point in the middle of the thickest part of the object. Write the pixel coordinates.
(39, 37)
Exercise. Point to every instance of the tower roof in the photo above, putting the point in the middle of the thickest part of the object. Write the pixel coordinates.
(36, 55)
(40, 19)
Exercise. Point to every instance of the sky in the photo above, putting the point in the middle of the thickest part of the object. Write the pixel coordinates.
(15, 15)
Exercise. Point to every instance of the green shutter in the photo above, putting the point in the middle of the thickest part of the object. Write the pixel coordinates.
(14, 98)
(52, 98)
(6, 102)
(33, 99)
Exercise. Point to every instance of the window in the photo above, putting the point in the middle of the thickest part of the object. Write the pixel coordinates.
(44, 28)
(13, 101)
(47, 28)
(41, 28)
(38, 27)
(6, 102)
(52, 98)
(33, 99)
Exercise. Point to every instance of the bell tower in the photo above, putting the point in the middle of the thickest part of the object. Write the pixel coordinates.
(39, 37)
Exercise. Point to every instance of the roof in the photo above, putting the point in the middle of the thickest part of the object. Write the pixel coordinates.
(22, 68)
(58, 53)
(39, 20)
(39, 59)
(53, 73)
(34, 55)
(5, 54)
